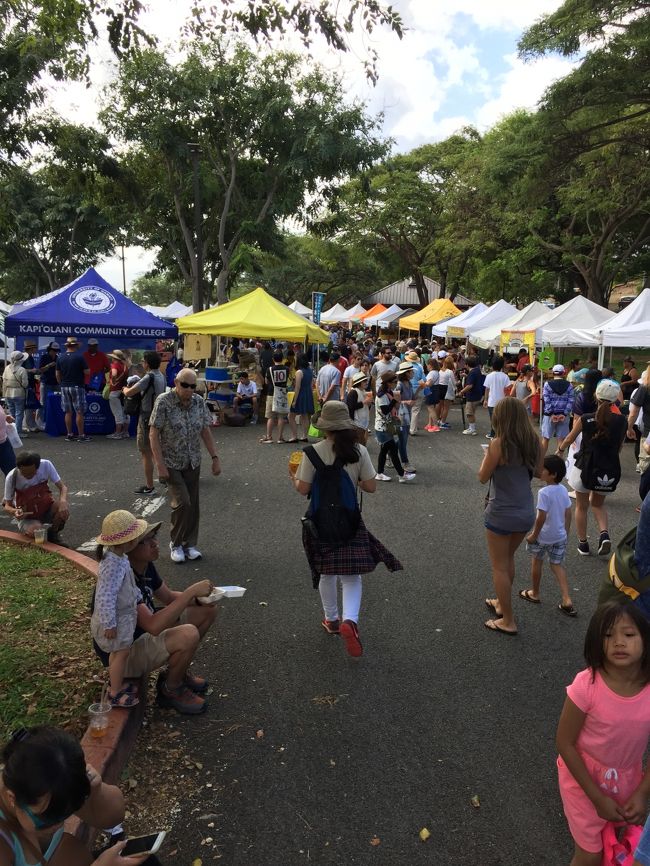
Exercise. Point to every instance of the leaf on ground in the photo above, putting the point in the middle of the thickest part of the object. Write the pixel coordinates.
(424, 834)
(259, 734)
(375, 841)
(475, 802)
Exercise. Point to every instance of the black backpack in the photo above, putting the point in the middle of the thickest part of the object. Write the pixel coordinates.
(598, 461)
(133, 404)
(333, 516)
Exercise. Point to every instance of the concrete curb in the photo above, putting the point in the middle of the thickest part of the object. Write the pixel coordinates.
(110, 755)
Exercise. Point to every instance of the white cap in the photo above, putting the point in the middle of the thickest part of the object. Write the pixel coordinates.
(558, 368)
(442, 354)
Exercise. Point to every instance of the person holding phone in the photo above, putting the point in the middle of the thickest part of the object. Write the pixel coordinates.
(45, 780)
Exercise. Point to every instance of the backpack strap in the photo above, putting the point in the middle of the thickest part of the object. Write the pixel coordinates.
(314, 459)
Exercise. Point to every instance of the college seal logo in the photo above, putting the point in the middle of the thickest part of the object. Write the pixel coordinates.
(92, 299)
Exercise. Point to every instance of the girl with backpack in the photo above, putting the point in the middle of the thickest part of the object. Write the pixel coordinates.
(331, 472)
(597, 469)
(603, 732)
(388, 427)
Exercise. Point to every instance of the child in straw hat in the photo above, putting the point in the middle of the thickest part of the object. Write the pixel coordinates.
(116, 597)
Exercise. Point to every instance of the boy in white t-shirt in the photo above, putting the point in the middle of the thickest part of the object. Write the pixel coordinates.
(246, 395)
(550, 532)
(495, 386)
(28, 497)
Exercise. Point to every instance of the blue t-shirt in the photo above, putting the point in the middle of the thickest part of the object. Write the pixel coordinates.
(71, 366)
(475, 379)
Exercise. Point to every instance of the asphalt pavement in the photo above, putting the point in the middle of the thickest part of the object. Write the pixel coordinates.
(310, 756)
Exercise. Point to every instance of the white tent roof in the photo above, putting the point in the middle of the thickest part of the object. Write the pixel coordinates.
(440, 330)
(175, 310)
(389, 315)
(337, 313)
(571, 324)
(299, 308)
(356, 311)
(484, 337)
(630, 327)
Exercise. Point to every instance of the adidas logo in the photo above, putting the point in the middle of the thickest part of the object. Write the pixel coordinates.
(605, 481)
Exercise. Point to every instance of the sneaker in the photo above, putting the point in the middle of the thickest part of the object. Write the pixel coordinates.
(489, 435)
(126, 435)
(114, 436)
(177, 554)
(408, 476)
(350, 634)
(432, 428)
(445, 426)
(604, 544)
(182, 699)
(253, 419)
(199, 685)
(409, 469)
(381, 477)
(192, 553)
(331, 626)
(83, 438)
(71, 437)
(638, 468)
(583, 548)
(145, 491)
(469, 432)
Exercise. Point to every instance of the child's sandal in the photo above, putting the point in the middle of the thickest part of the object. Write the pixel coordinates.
(124, 699)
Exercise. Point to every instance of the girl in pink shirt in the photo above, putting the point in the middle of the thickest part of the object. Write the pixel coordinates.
(603, 731)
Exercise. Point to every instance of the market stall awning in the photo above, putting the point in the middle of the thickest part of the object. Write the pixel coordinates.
(571, 324)
(630, 327)
(487, 336)
(373, 311)
(383, 320)
(356, 312)
(436, 311)
(301, 309)
(466, 318)
(256, 314)
(335, 314)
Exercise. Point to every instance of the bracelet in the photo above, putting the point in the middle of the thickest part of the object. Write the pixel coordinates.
(215, 456)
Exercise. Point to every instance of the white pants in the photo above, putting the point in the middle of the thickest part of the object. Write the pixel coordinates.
(351, 592)
(116, 407)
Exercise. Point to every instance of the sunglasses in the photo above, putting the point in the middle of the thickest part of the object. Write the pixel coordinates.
(191, 385)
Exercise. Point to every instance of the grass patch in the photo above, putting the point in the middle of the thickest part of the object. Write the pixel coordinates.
(47, 666)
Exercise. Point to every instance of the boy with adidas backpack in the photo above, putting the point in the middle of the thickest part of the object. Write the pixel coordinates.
(337, 544)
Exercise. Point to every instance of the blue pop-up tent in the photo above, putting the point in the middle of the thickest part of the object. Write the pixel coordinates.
(88, 307)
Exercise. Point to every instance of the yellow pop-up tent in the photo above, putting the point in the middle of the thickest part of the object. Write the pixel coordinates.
(256, 314)
(436, 311)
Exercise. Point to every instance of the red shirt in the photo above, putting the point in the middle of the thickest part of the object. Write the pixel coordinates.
(341, 365)
(525, 359)
(97, 363)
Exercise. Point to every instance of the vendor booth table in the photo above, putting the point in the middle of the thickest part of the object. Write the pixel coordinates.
(98, 420)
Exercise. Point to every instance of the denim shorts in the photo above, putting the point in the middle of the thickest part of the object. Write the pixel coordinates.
(559, 429)
(642, 853)
(556, 552)
(496, 530)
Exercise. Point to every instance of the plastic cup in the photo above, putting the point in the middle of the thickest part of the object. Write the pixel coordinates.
(40, 535)
(98, 719)
(294, 461)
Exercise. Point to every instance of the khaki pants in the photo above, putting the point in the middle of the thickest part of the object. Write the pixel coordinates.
(183, 487)
(415, 410)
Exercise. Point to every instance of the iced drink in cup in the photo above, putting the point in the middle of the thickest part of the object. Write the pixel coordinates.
(98, 719)
(294, 461)
(40, 535)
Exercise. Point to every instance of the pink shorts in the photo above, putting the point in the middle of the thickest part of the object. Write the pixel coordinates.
(585, 825)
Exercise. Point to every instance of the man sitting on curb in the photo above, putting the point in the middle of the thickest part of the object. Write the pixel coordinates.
(169, 636)
(28, 497)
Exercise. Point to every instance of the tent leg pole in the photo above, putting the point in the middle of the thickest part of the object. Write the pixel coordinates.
(601, 356)
(611, 350)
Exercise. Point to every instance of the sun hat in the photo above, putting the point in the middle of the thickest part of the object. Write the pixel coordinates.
(335, 416)
(120, 527)
(72, 341)
(30, 344)
(118, 354)
(628, 358)
(18, 357)
(404, 367)
(358, 378)
(93, 341)
(412, 356)
(558, 368)
(607, 390)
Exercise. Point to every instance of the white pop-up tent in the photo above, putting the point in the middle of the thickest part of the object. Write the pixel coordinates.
(299, 308)
(463, 320)
(356, 311)
(383, 320)
(630, 327)
(486, 337)
(571, 324)
(495, 314)
(337, 313)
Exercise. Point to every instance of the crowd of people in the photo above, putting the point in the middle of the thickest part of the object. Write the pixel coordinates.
(358, 387)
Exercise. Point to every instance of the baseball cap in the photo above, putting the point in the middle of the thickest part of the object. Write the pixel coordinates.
(93, 342)
(558, 368)
(607, 390)
(54, 346)
(442, 354)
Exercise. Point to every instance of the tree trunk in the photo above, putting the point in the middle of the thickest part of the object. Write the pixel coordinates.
(420, 287)
(222, 286)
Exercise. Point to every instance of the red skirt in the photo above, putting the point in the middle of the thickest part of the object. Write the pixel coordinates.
(359, 556)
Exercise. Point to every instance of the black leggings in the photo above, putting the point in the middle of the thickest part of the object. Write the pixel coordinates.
(389, 447)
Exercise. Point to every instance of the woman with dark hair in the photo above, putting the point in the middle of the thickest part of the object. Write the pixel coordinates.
(406, 401)
(585, 401)
(597, 467)
(303, 399)
(510, 461)
(330, 562)
(45, 780)
(387, 427)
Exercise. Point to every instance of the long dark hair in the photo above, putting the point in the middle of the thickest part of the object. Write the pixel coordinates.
(603, 417)
(302, 362)
(346, 444)
(602, 622)
(45, 760)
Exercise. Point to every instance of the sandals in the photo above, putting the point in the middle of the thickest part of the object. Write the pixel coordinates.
(125, 699)
(290, 440)
(266, 440)
(567, 609)
(526, 594)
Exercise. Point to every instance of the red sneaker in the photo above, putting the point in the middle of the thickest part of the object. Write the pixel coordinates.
(331, 626)
(350, 634)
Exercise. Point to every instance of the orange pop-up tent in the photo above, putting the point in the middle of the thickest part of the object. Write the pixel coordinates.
(373, 311)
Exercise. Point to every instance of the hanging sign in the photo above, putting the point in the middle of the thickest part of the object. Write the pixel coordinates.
(317, 299)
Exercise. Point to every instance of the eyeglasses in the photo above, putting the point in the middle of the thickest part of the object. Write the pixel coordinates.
(191, 385)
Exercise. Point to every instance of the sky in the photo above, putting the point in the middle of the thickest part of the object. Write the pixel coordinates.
(457, 64)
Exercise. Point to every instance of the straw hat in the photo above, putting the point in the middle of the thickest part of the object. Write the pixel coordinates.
(120, 527)
(335, 416)
(405, 367)
(118, 354)
(358, 378)
(412, 356)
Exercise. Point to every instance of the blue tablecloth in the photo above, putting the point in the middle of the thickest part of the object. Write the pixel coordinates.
(98, 420)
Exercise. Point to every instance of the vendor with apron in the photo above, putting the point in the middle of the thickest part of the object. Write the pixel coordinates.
(29, 498)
